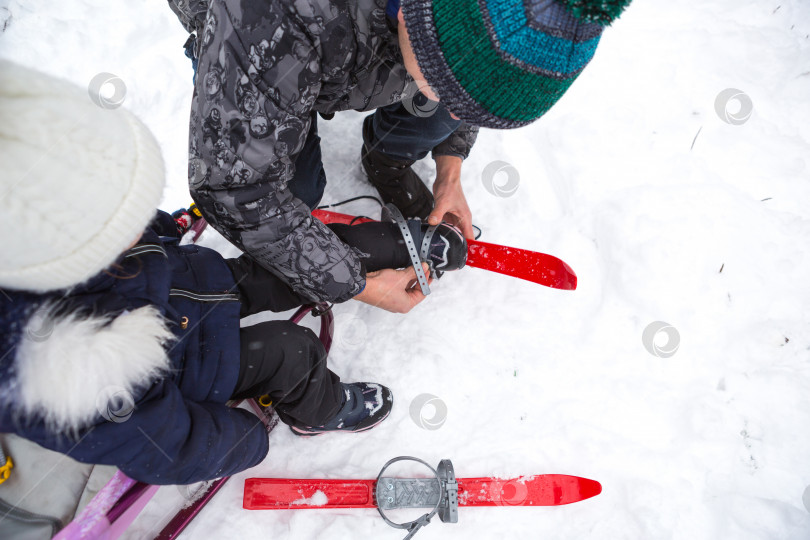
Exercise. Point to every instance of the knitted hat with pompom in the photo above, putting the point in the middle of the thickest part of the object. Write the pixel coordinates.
(504, 63)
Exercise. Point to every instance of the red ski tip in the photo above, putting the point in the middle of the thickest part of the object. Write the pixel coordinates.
(571, 284)
(540, 490)
(539, 268)
(589, 488)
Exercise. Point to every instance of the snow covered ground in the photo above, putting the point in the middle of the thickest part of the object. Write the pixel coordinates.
(665, 211)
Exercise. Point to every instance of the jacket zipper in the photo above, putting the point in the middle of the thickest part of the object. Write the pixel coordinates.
(140, 249)
(205, 297)
(199, 297)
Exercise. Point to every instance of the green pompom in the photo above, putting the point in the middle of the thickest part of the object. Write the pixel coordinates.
(603, 12)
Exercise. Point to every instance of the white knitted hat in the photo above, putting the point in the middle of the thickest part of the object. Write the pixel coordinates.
(78, 182)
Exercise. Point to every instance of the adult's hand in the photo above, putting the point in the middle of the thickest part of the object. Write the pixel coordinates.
(451, 205)
(393, 290)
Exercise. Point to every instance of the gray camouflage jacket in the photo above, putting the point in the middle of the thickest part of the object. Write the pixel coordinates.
(264, 67)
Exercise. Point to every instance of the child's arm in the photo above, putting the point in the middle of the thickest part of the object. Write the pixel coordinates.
(164, 225)
(216, 441)
(171, 440)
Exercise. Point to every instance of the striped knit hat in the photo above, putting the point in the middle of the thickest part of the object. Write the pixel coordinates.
(504, 63)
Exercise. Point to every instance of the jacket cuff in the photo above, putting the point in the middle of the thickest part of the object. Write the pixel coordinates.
(362, 277)
(439, 151)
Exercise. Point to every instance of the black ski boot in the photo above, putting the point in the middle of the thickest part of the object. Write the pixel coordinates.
(366, 405)
(395, 180)
(383, 244)
(447, 249)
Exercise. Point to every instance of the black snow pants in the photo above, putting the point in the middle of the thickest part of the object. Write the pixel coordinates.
(287, 361)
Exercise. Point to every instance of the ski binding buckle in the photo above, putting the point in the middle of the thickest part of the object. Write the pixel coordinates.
(439, 493)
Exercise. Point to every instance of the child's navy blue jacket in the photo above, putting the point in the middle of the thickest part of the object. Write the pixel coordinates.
(180, 430)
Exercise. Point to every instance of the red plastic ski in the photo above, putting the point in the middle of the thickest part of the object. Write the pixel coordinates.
(532, 266)
(541, 490)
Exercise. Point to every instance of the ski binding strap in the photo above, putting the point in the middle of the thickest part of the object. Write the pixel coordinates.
(392, 213)
(424, 251)
(439, 493)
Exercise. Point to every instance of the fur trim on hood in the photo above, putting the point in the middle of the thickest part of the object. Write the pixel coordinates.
(71, 369)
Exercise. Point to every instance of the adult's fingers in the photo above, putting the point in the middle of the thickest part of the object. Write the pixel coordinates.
(466, 228)
(437, 215)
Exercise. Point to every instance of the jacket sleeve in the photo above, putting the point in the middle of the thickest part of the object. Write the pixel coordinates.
(257, 80)
(163, 224)
(459, 143)
(210, 440)
(170, 440)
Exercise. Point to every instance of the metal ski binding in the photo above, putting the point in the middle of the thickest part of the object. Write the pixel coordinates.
(440, 493)
(392, 213)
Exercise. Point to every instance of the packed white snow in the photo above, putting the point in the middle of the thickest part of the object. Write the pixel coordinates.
(319, 498)
(670, 207)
